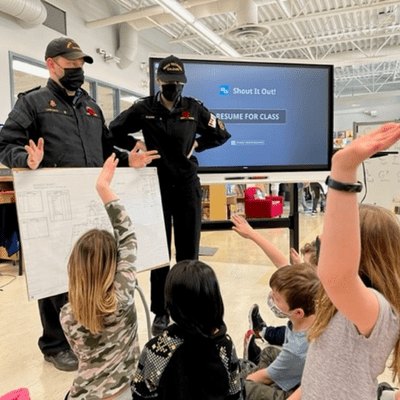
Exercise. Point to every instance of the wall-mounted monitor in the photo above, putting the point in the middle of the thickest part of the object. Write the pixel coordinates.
(280, 115)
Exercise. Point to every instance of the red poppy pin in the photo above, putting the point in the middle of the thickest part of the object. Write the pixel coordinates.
(91, 111)
(185, 114)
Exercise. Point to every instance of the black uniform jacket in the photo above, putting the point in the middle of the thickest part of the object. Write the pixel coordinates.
(172, 133)
(74, 133)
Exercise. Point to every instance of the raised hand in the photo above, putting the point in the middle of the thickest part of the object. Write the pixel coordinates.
(365, 146)
(294, 256)
(105, 178)
(242, 227)
(141, 159)
(107, 172)
(35, 153)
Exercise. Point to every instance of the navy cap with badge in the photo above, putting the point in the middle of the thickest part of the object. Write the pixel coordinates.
(66, 48)
(171, 69)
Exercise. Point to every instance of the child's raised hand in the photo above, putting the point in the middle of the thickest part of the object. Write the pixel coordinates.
(365, 146)
(294, 256)
(105, 178)
(107, 173)
(242, 227)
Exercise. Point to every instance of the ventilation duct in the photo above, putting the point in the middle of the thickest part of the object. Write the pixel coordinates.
(128, 45)
(30, 13)
(247, 27)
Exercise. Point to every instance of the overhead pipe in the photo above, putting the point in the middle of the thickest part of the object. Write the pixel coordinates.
(29, 13)
(140, 18)
(128, 45)
(246, 13)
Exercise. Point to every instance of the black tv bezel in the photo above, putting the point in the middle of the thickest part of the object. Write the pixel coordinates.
(261, 168)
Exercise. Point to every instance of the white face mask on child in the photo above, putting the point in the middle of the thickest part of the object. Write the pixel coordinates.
(274, 308)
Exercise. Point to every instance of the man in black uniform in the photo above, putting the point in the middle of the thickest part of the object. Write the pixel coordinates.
(59, 125)
(175, 126)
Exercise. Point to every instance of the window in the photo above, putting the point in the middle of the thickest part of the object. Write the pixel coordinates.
(26, 75)
(126, 99)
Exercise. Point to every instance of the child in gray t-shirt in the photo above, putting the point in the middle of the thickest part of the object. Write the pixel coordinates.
(357, 321)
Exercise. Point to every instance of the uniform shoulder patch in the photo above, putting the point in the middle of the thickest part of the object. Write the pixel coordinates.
(195, 100)
(28, 91)
(213, 121)
(221, 125)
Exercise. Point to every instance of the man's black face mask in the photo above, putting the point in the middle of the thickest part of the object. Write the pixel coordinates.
(73, 78)
(171, 91)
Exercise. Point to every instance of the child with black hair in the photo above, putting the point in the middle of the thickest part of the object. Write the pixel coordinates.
(194, 358)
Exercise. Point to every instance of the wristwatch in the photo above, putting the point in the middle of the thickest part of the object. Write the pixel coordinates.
(343, 186)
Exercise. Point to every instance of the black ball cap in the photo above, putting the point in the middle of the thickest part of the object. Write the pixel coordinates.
(66, 48)
(171, 69)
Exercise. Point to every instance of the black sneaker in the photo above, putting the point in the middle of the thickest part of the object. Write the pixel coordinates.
(256, 323)
(382, 387)
(65, 360)
(160, 324)
(251, 351)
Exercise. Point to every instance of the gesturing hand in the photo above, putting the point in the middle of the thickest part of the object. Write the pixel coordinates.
(104, 180)
(107, 172)
(242, 227)
(141, 159)
(294, 256)
(35, 153)
(365, 146)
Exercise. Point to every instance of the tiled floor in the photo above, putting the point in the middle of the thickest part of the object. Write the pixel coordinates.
(243, 272)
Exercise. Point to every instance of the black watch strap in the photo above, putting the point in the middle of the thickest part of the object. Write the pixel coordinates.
(344, 187)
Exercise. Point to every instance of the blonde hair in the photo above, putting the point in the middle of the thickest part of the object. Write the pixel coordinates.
(91, 269)
(379, 268)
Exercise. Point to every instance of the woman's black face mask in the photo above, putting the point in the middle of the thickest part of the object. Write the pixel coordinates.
(171, 91)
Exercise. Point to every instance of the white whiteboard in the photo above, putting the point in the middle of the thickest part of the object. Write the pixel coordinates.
(55, 206)
(382, 173)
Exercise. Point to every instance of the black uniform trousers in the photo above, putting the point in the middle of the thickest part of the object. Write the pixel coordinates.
(53, 339)
(182, 212)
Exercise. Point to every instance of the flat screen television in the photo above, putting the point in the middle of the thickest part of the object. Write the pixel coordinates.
(280, 115)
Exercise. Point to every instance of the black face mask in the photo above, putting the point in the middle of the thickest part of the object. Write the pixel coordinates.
(171, 91)
(73, 78)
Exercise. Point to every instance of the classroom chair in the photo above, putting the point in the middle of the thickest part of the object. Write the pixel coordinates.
(257, 205)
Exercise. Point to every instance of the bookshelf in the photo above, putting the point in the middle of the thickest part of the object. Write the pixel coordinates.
(219, 201)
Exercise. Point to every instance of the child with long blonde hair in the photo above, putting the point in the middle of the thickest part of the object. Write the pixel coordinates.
(357, 322)
(100, 319)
